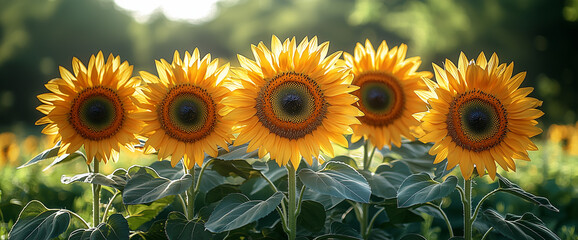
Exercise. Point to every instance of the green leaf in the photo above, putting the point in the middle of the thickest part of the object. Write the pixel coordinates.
(47, 154)
(413, 236)
(239, 168)
(387, 178)
(144, 187)
(219, 192)
(420, 188)
(354, 145)
(179, 228)
(526, 226)
(236, 210)
(312, 216)
(441, 170)
(66, 158)
(506, 185)
(166, 170)
(115, 228)
(397, 215)
(115, 180)
(414, 154)
(155, 232)
(339, 230)
(238, 153)
(141, 213)
(339, 180)
(347, 160)
(38, 222)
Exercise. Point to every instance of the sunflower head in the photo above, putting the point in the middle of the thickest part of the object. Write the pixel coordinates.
(293, 100)
(479, 115)
(387, 81)
(183, 110)
(92, 108)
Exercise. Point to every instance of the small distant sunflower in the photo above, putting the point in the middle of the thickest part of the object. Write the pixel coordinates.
(293, 101)
(479, 116)
(9, 150)
(387, 82)
(183, 112)
(93, 108)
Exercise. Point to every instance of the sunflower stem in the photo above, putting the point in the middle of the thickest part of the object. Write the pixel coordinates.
(467, 201)
(292, 196)
(95, 196)
(364, 228)
(366, 158)
(191, 195)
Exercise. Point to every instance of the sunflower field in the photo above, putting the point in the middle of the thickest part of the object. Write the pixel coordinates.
(288, 120)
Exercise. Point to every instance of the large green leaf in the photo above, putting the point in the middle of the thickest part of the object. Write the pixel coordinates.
(115, 228)
(166, 170)
(179, 228)
(141, 213)
(387, 178)
(66, 158)
(312, 216)
(414, 154)
(526, 226)
(506, 185)
(145, 188)
(420, 188)
(339, 180)
(116, 180)
(38, 222)
(46, 154)
(236, 210)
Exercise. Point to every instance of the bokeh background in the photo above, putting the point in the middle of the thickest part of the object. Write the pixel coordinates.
(38, 36)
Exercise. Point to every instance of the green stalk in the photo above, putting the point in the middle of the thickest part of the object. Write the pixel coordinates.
(95, 197)
(467, 201)
(487, 233)
(191, 195)
(292, 195)
(364, 228)
(446, 219)
(117, 193)
(363, 225)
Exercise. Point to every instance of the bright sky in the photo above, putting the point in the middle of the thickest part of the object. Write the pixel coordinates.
(180, 10)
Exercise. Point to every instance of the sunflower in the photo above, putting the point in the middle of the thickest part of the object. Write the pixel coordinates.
(293, 101)
(479, 116)
(387, 82)
(9, 149)
(93, 108)
(183, 112)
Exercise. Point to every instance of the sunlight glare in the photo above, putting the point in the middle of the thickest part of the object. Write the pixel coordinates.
(178, 10)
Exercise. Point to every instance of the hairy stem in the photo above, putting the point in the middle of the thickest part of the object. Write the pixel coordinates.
(95, 197)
